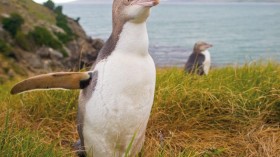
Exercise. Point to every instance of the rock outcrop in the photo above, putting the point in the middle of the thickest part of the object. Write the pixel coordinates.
(79, 52)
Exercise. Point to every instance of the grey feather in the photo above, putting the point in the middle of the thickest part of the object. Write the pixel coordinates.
(195, 64)
(85, 95)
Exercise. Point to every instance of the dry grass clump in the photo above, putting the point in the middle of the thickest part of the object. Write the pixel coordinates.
(37, 123)
(231, 112)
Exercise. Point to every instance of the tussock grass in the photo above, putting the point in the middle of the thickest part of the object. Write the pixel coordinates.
(38, 123)
(231, 112)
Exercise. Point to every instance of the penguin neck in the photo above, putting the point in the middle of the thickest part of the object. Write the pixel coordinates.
(133, 39)
(128, 38)
(206, 54)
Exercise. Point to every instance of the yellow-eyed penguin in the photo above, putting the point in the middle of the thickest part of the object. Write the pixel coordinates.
(199, 61)
(118, 92)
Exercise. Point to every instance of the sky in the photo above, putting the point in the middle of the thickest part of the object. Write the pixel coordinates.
(56, 1)
(104, 1)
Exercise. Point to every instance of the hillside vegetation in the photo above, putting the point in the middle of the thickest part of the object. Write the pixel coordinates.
(40, 38)
(231, 112)
(33, 13)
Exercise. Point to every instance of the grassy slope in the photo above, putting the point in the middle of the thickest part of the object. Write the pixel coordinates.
(6, 65)
(32, 12)
(231, 112)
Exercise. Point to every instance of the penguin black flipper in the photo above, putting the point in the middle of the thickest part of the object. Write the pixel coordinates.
(62, 80)
(199, 65)
(79, 149)
(85, 95)
(195, 64)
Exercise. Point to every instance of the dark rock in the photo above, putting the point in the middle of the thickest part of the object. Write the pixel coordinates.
(5, 2)
(11, 73)
(76, 28)
(4, 35)
(90, 40)
(72, 63)
(33, 61)
(49, 53)
(44, 52)
(97, 44)
(82, 51)
(74, 47)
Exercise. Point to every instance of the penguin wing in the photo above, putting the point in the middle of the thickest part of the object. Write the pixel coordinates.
(64, 80)
(195, 64)
(189, 66)
(200, 60)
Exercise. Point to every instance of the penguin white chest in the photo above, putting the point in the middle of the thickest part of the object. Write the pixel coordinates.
(121, 103)
(207, 61)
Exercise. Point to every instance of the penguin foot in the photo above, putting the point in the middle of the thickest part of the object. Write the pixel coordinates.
(79, 149)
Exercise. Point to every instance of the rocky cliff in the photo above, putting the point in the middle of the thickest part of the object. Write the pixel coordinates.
(38, 38)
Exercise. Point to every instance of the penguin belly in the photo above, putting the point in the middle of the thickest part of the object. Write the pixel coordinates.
(207, 62)
(119, 109)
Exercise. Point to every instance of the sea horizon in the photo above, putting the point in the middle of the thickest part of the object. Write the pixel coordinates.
(240, 32)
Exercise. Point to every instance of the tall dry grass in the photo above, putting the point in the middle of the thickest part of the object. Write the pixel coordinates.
(231, 112)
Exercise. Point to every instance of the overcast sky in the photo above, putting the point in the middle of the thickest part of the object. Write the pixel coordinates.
(169, 1)
(56, 1)
(176, 1)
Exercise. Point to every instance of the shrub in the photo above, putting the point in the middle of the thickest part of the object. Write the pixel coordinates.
(58, 9)
(77, 19)
(24, 41)
(64, 38)
(5, 49)
(13, 23)
(63, 52)
(42, 36)
(61, 21)
(49, 4)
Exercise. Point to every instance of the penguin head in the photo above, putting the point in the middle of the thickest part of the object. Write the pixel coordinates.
(136, 11)
(201, 46)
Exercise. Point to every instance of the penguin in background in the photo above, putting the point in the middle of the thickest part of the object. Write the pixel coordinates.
(199, 61)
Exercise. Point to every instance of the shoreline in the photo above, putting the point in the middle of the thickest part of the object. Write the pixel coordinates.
(233, 65)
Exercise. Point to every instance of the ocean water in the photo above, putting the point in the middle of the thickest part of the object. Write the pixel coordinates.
(240, 32)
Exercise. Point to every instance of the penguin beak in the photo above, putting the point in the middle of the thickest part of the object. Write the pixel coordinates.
(146, 3)
(209, 45)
